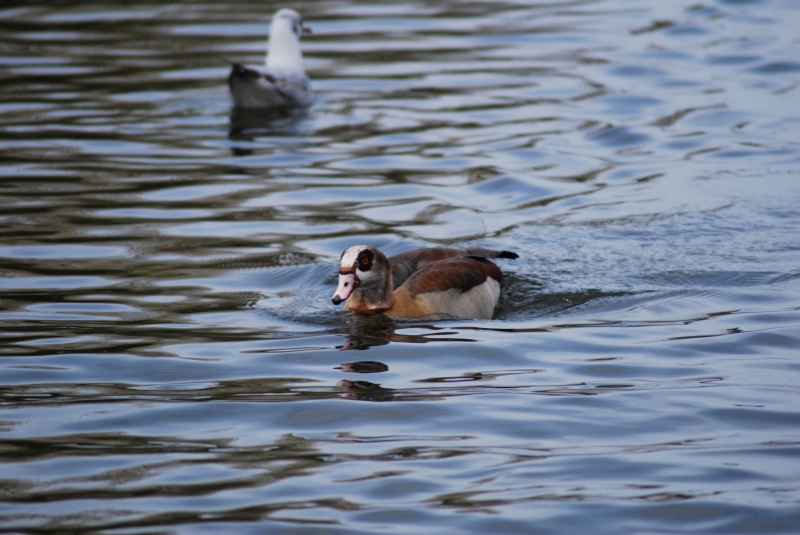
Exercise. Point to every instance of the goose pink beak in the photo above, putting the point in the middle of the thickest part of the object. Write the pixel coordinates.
(347, 283)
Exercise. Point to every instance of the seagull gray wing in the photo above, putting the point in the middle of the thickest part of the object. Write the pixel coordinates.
(254, 88)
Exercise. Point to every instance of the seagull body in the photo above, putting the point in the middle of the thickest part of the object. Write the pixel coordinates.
(283, 82)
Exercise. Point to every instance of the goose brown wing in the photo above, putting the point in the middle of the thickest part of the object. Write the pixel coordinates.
(462, 273)
(404, 265)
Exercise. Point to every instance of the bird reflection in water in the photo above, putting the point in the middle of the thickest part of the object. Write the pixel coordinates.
(388, 333)
(248, 123)
(364, 366)
(369, 331)
(364, 391)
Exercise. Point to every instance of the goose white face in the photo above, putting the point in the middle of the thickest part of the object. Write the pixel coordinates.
(348, 260)
(355, 269)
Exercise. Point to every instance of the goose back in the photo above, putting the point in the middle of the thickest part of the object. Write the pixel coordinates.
(406, 264)
(466, 287)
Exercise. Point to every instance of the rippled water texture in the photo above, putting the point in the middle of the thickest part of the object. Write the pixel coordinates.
(170, 360)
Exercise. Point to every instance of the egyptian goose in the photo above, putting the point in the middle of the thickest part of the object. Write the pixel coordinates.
(422, 282)
(283, 83)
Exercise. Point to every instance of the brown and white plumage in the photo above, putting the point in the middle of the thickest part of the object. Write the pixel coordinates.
(423, 282)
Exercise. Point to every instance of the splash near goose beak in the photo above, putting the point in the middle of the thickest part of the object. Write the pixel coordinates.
(347, 283)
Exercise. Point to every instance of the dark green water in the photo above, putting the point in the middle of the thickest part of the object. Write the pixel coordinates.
(170, 360)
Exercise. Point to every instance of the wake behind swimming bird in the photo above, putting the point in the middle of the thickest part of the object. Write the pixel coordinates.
(283, 82)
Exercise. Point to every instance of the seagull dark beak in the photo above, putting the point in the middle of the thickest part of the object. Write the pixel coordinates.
(306, 30)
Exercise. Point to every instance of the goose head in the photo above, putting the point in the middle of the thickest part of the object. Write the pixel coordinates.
(365, 275)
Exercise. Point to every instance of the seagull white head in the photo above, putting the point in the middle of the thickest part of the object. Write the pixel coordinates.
(284, 41)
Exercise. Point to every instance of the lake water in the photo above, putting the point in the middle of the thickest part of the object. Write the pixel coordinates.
(171, 362)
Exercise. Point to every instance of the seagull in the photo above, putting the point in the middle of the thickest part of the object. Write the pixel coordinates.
(283, 83)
